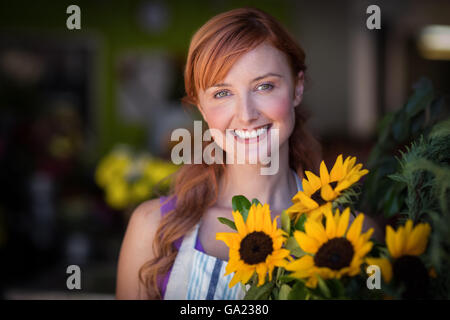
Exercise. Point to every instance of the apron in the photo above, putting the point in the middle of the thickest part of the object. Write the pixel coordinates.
(196, 275)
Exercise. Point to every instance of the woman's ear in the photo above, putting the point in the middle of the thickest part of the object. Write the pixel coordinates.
(298, 94)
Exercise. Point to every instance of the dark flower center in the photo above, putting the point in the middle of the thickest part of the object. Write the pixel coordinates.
(318, 198)
(335, 254)
(333, 184)
(411, 271)
(255, 247)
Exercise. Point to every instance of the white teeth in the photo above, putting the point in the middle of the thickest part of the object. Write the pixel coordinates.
(250, 134)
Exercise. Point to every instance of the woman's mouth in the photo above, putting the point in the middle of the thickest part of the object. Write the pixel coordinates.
(250, 136)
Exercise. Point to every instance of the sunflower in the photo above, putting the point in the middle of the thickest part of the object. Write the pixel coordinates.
(331, 251)
(405, 246)
(255, 247)
(318, 192)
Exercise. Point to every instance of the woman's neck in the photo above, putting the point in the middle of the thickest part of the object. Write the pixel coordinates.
(277, 190)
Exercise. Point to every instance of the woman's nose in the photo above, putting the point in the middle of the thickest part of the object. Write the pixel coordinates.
(247, 110)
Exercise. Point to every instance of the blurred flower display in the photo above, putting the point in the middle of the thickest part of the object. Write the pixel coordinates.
(129, 177)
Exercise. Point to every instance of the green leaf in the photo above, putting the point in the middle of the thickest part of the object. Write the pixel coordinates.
(300, 225)
(259, 293)
(323, 288)
(384, 126)
(294, 248)
(336, 288)
(255, 201)
(285, 222)
(284, 292)
(421, 97)
(227, 222)
(401, 128)
(241, 204)
(286, 278)
(298, 292)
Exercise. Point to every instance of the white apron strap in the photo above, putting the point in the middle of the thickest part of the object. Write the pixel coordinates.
(299, 181)
(177, 285)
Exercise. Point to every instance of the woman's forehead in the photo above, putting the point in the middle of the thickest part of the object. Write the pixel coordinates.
(264, 60)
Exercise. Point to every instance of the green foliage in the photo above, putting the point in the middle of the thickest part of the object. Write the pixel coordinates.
(425, 174)
(241, 204)
(228, 222)
(298, 291)
(285, 222)
(300, 224)
(382, 194)
(260, 293)
(415, 183)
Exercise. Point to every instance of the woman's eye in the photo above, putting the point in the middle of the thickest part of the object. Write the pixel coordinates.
(264, 87)
(221, 94)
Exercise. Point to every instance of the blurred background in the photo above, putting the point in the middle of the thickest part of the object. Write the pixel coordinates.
(79, 108)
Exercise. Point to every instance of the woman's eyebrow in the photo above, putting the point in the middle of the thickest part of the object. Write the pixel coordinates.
(270, 74)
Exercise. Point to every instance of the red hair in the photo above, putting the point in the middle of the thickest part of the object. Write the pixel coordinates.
(214, 48)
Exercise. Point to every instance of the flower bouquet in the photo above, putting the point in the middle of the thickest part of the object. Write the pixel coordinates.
(319, 249)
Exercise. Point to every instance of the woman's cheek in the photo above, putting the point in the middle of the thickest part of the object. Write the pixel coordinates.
(219, 120)
(278, 109)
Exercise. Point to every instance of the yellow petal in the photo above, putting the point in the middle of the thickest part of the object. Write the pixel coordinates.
(267, 224)
(312, 282)
(264, 216)
(351, 163)
(305, 242)
(385, 267)
(233, 265)
(297, 207)
(327, 193)
(234, 280)
(261, 270)
(342, 185)
(390, 233)
(307, 201)
(408, 228)
(399, 241)
(343, 223)
(355, 229)
(316, 231)
(330, 225)
(324, 176)
(365, 249)
(337, 172)
(314, 180)
(307, 187)
(246, 275)
(304, 263)
(240, 225)
(227, 237)
(251, 219)
(363, 239)
(274, 225)
(418, 240)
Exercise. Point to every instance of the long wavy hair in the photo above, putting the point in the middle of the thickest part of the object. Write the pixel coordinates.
(214, 48)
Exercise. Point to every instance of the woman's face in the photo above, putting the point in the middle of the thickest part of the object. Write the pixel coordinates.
(257, 96)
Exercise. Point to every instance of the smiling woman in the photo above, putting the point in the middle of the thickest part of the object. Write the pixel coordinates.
(245, 73)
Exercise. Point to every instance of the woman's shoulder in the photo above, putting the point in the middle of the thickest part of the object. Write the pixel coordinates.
(146, 216)
(148, 209)
(136, 248)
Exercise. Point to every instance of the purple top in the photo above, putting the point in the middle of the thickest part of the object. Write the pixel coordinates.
(170, 205)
